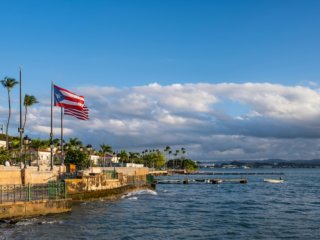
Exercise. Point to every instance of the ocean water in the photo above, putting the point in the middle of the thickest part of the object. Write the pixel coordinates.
(256, 210)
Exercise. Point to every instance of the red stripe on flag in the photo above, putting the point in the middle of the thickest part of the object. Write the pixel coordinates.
(80, 114)
(67, 99)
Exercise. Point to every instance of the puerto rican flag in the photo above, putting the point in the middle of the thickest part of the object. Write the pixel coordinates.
(66, 99)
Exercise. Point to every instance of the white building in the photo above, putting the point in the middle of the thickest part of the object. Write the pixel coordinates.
(106, 160)
(3, 144)
(134, 165)
(95, 159)
(43, 156)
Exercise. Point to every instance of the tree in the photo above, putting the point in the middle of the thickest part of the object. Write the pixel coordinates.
(134, 157)
(123, 155)
(4, 155)
(167, 149)
(74, 143)
(77, 157)
(8, 83)
(56, 142)
(154, 159)
(189, 165)
(37, 144)
(183, 151)
(176, 155)
(105, 148)
(169, 152)
(29, 100)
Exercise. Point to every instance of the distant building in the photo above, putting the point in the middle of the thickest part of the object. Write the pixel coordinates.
(229, 166)
(110, 158)
(134, 165)
(95, 159)
(3, 144)
(42, 155)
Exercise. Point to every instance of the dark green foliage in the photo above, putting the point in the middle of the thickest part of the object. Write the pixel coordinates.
(123, 155)
(134, 157)
(154, 159)
(77, 157)
(39, 144)
(4, 155)
(187, 164)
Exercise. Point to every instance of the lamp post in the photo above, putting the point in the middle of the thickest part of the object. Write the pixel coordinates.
(51, 160)
(63, 147)
(89, 148)
(26, 142)
(114, 164)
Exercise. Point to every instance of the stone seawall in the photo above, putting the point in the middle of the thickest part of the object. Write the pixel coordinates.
(91, 183)
(33, 208)
(16, 176)
(107, 193)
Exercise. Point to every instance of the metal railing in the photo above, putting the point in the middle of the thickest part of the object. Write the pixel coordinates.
(137, 180)
(111, 174)
(32, 192)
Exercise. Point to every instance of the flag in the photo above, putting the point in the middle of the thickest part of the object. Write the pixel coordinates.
(80, 114)
(66, 99)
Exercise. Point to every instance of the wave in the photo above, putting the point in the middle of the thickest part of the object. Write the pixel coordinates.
(133, 198)
(33, 221)
(139, 192)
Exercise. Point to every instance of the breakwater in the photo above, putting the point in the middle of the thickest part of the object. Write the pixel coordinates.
(201, 180)
(55, 197)
(235, 173)
(34, 208)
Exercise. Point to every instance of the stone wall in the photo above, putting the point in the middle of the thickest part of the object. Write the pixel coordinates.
(91, 183)
(10, 175)
(131, 171)
(15, 175)
(33, 176)
(34, 208)
(108, 193)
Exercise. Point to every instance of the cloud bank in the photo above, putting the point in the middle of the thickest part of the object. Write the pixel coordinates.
(223, 121)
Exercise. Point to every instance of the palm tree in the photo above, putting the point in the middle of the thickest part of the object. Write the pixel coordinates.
(167, 149)
(105, 148)
(8, 83)
(134, 157)
(29, 100)
(74, 143)
(123, 156)
(169, 152)
(176, 154)
(36, 144)
(183, 151)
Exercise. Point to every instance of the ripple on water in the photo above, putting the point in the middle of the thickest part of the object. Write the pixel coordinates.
(194, 211)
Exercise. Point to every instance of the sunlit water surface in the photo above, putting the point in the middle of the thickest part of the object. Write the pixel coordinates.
(255, 210)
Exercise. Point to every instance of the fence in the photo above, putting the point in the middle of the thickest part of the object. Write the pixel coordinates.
(110, 174)
(140, 180)
(31, 192)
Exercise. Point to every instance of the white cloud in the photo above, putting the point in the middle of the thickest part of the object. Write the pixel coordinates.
(274, 120)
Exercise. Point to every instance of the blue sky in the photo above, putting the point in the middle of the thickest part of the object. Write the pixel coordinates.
(129, 45)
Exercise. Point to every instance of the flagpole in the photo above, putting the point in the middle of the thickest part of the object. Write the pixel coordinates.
(61, 143)
(20, 127)
(51, 132)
